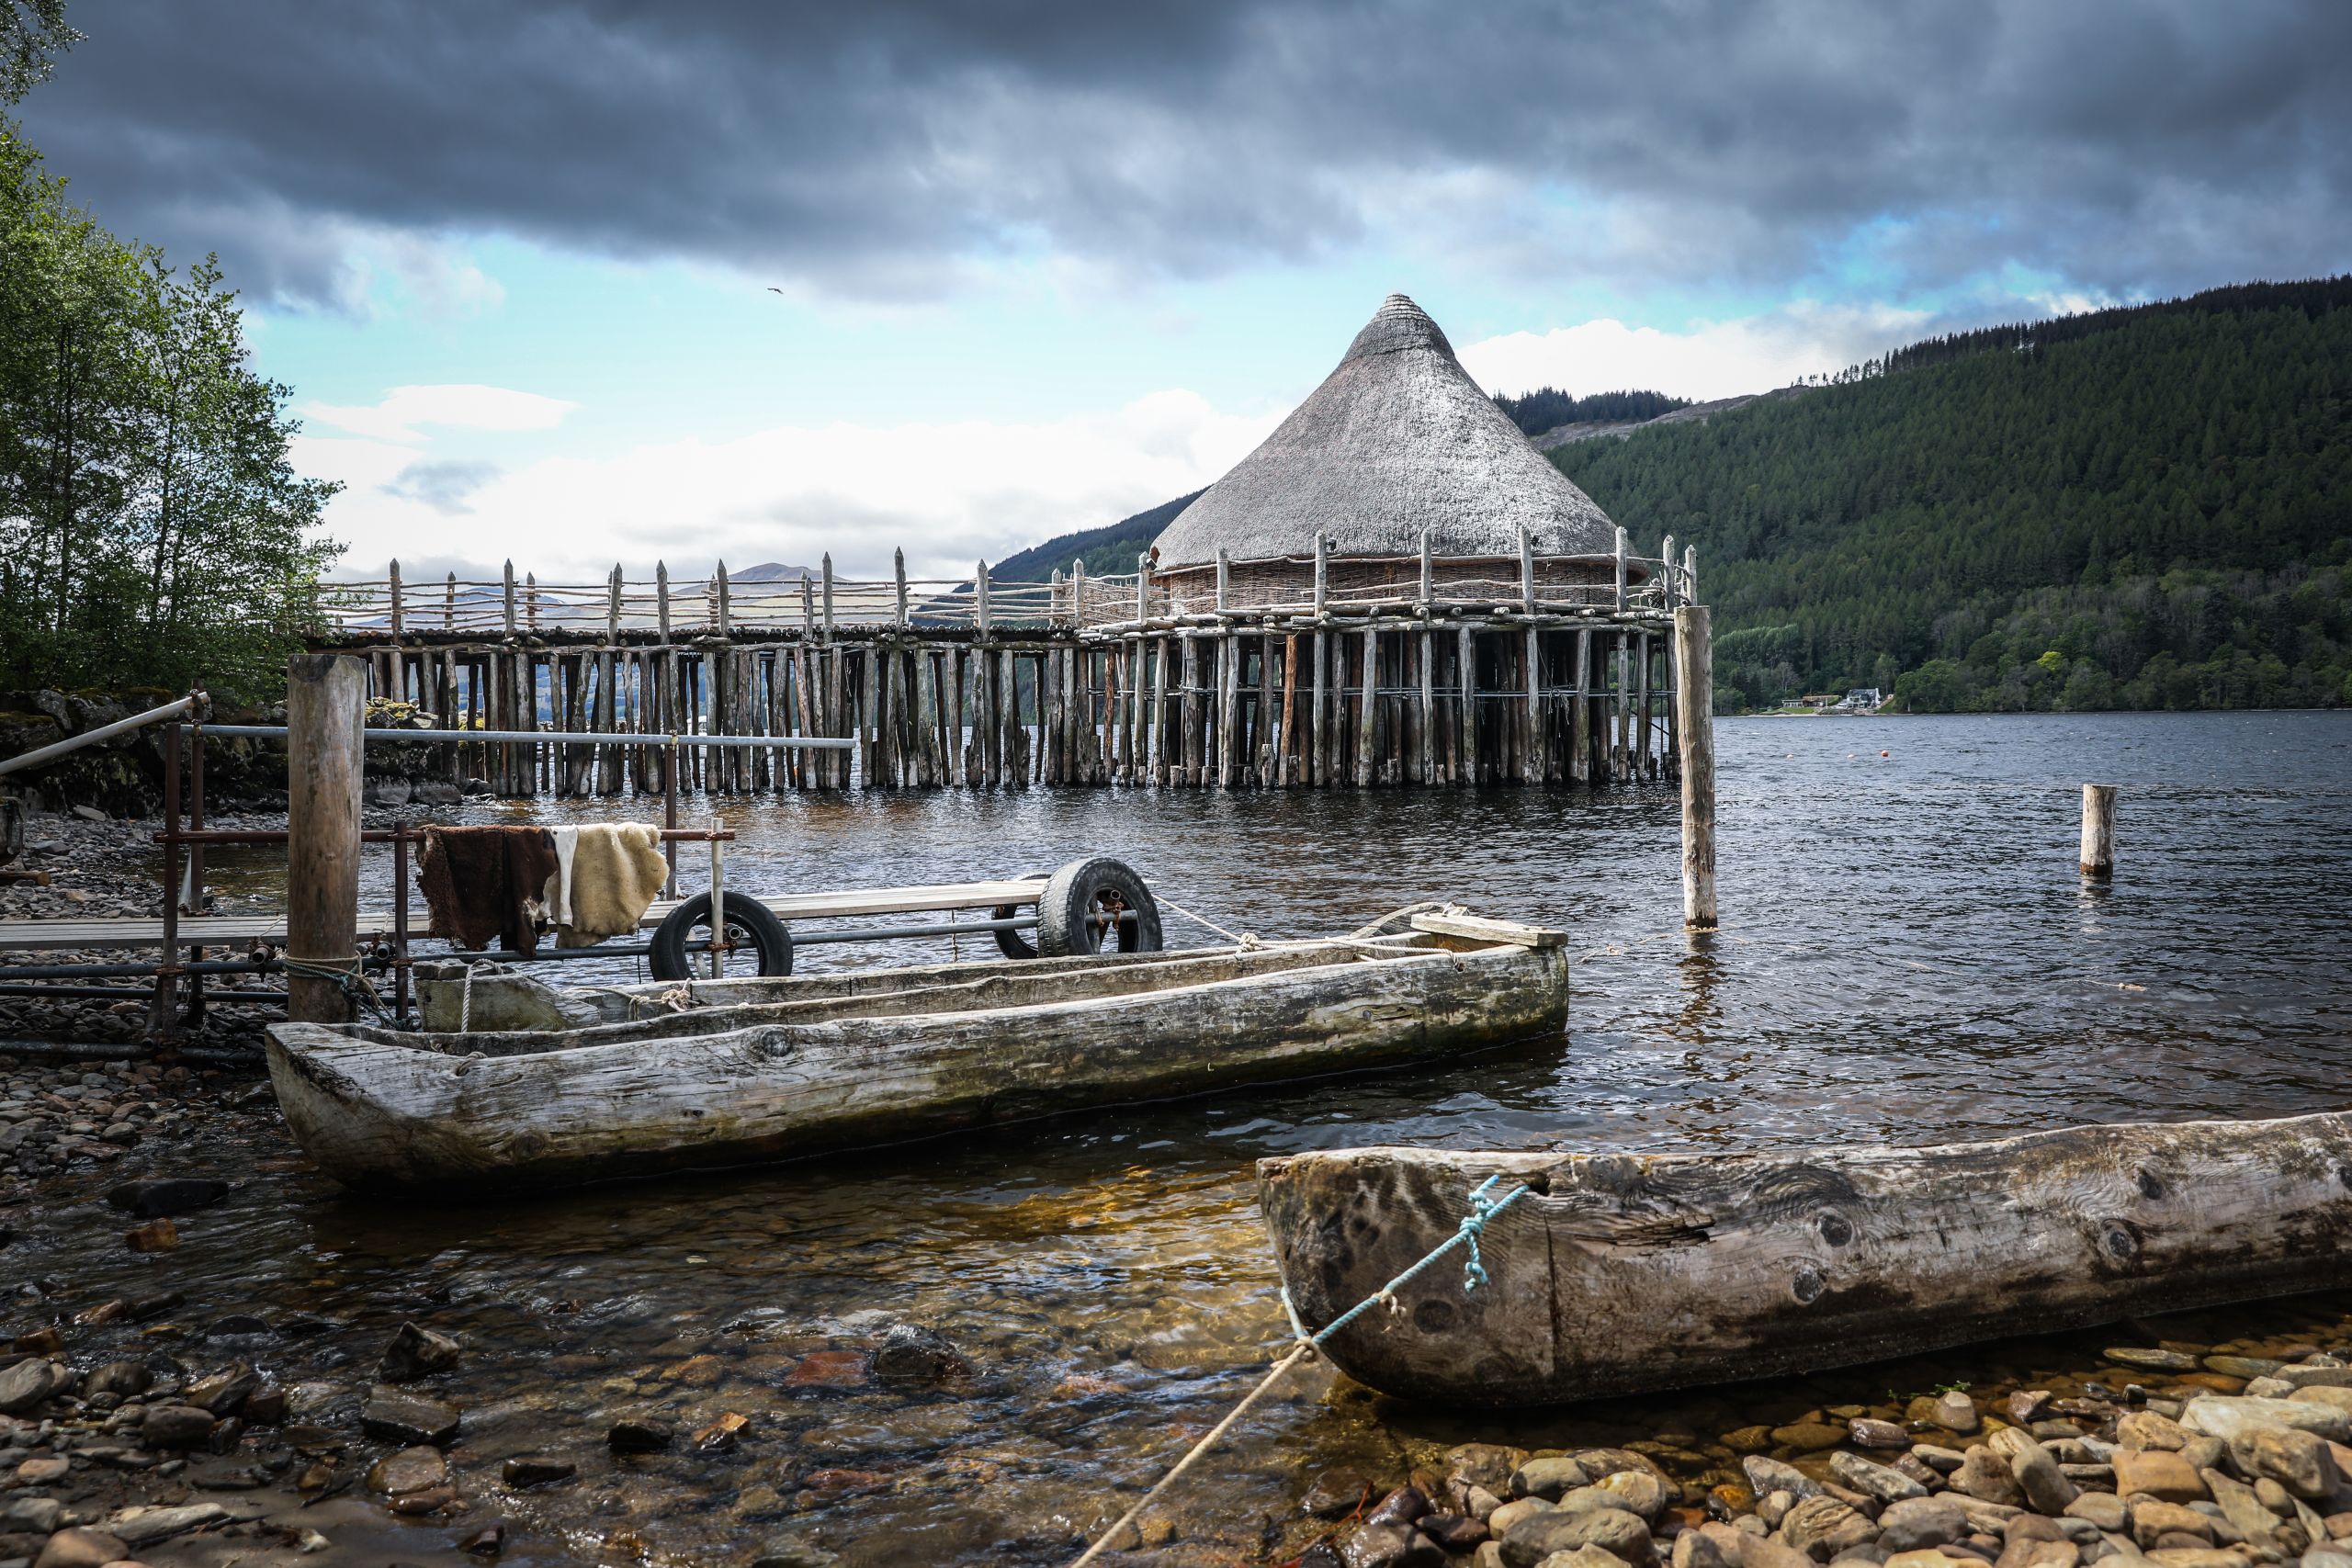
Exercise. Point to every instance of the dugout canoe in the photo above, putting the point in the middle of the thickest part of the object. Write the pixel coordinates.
(755, 1070)
(1627, 1273)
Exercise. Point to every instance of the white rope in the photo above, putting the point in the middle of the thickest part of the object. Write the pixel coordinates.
(465, 1002)
(1238, 941)
(1299, 1352)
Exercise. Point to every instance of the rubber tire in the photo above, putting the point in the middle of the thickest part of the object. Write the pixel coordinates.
(1069, 897)
(670, 960)
(1013, 945)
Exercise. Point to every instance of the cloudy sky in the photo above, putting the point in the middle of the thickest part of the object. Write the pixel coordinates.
(579, 281)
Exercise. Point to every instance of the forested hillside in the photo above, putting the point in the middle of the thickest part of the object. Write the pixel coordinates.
(2139, 507)
(1106, 550)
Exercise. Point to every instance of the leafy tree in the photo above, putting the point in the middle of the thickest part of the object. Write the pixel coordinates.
(31, 33)
(152, 531)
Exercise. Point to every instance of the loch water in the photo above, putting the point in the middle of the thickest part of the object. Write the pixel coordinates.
(1908, 954)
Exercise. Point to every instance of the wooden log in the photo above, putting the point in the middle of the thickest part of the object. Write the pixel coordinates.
(662, 599)
(1184, 765)
(929, 764)
(1624, 768)
(1644, 754)
(1368, 715)
(1263, 744)
(1694, 665)
(1049, 702)
(1467, 644)
(509, 600)
(869, 716)
(1531, 755)
(324, 769)
(1580, 711)
(1617, 1274)
(1228, 709)
(1160, 764)
(1318, 726)
(854, 1065)
(1425, 757)
(2099, 830)
(1286, 751)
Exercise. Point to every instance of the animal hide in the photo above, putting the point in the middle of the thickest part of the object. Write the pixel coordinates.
(480, 882)
(602, 888)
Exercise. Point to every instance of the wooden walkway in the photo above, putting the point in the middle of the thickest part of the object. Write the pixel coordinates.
(241, 931)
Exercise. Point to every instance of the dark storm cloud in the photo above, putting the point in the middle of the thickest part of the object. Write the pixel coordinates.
(879, 149)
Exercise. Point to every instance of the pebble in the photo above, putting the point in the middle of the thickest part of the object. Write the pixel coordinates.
(408, 1470)
(2149, 1360)
(639, 1435)
(535, 1470)
(416, 1353)
(399, 1418)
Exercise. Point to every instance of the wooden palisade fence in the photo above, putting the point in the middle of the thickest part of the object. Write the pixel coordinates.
(979, 683)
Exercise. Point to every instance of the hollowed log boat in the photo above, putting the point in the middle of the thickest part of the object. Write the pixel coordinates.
(1625, 1273)
(735, 1072)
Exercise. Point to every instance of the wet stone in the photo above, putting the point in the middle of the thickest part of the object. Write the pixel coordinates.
(828, 1370)
(639, 1435)
(2150, 1361)
(174, 1426)
(1986, 1475)
(1875, 1480)
(222, 1390)
(1613, 1530)
(159, 1198)
(397, 1417)
(415, 1353)
(1335, 1493)
(1765, 1477)
(1550, 1479)
(408, 1470)
(535, 1470)
(918, 1357)
(1868, 1433)
(1919, 1522)
(1826, 1527)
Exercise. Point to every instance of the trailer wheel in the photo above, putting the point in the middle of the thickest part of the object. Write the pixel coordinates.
(750, 923)
(1085, 900)
(1013, 945)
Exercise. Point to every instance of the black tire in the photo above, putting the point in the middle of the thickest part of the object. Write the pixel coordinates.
(1073, 911)
(1013, 945)
(748, 919)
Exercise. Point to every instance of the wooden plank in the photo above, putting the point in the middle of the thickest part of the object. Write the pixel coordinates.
(1477, 927)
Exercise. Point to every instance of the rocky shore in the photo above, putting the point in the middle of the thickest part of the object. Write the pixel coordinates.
(2181, 1456)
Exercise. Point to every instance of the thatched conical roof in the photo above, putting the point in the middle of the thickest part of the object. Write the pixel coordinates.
(1396, 440)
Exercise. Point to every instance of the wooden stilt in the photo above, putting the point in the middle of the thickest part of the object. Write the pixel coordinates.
(1694, 695)
(324, 697)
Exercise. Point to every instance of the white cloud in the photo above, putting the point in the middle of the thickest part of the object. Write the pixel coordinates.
(466, 405)
(1713, 360)
(949, 494)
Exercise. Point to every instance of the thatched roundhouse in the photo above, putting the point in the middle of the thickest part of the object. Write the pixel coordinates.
(1397, 446)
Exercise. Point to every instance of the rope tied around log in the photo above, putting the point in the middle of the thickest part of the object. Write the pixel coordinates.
(1305, 1345)
(346, 975)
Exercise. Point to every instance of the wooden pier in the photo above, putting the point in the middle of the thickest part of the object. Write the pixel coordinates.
(1451, 674)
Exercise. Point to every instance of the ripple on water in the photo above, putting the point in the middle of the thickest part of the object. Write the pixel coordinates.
(1909, 956)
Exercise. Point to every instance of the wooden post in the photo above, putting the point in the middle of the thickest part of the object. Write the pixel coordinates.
(1467, 771)
(324, 694)
(392, 585)
(1367, 719)
(1426, 759)
(2099, 830)
(1666, 573)
(1322, 585)
(899, 569)
(1317, 763)
(808, 609)
(510, 598)
(1190, 743)
(1644, 751)
(449, 603)
(1428, 573)
(531, 601)
(980, 599)
(1143, 589)
(1531, 760)
(1527, 570)
(1694, 668)
(613, 607)
(1229, 711)
(661, 598)
(1285, 746)
(721, 612)
(1224, 578)
(1621, 571)
(1580, 712)
(829, 595)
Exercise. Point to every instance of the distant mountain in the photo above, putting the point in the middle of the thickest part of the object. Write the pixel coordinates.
(2144, 507)
(1107, 551)
(773, 571)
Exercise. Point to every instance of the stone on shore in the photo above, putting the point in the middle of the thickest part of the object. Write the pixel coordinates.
(1765, 1477)
(535, 1470)
(2162, 1473)
(82, 1547)
(29, 1383)
(2231, 1419)
(1876, 1480)
(174, 1426)
(416, 1353)
(408, 1470)
(1917, 1523)
(1614, 1530)
(639, 1435)
(1824, 1527)
(394, 1417)
(144, 1526)
(1549, 1479)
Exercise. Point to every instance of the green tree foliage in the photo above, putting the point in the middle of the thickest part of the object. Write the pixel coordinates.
(152, 529)
(1548, 408)
(2160, 497)
(31, 33)
(1108, 551)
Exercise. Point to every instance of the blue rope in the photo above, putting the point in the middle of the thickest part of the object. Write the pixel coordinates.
(1474, 1272)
